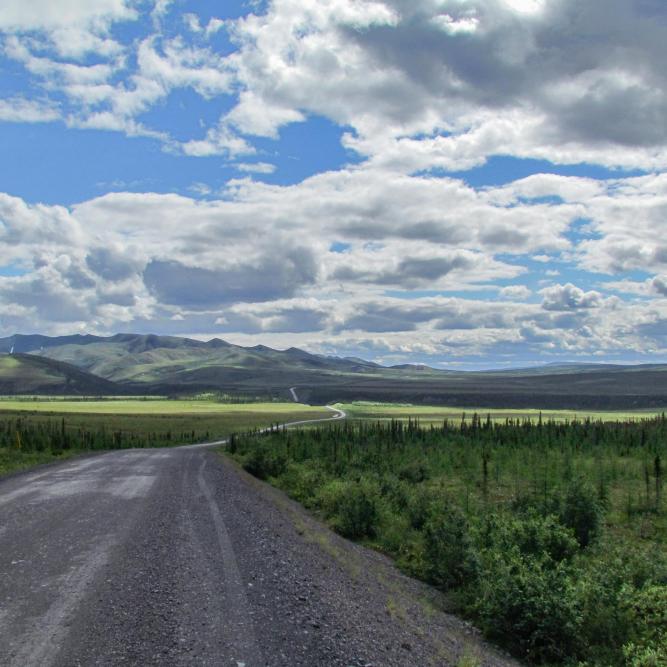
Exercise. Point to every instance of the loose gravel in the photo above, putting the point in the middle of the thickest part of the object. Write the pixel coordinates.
(178, 557)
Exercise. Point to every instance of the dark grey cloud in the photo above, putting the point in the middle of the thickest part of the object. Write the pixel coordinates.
(276, 320)
(381, 318)
(569, 320)
(429, 269)
(118, 298)
(531, 334)
(613, 50)
(398, 315)
(474, 319)
(77, 278)
(271, 277)
(623, 114)
(659, 285)
(436, 231)
(502, 236)
(111, 264)
(570, 297)
(379, 229)
(47, 297)
(409, 272)
(656, 329)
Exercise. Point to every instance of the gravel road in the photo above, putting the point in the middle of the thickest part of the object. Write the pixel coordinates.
(177, 557)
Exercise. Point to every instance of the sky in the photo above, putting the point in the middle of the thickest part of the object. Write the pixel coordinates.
(463, 183)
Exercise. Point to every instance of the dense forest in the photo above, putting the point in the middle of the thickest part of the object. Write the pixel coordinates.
(550, 536)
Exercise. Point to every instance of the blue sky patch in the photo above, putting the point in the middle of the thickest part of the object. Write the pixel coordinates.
(347, 231)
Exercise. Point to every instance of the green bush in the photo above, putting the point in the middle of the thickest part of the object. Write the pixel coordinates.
(529, 607)
(302, 481)
(648, 627)
(262, 462)
(519, 544)
(605, 622)
(419, 505)
(637, 656)
(352, 507)
(395, 491)
(524, 594)
(449, 554)
(608, 588)
(394, 534)
(582, 511)
(414, 472)
(543, 538)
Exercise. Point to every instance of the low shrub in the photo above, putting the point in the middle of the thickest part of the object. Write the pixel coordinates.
(419, 506)
(582, 511)
(262, 462)
(352, 507)
(543, 538)
(529, 607)
(648, 627)
(414, 472)
(449, 554)
(302, 481)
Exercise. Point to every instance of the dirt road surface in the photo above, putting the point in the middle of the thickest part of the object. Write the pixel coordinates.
(177, 557)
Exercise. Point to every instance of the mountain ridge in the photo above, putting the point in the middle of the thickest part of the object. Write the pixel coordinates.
(172, 365)
(29, 344)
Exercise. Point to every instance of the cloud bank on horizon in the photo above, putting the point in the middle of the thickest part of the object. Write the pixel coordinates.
(458, 182)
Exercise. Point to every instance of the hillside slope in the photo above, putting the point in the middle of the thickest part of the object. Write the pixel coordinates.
(132, 358)
(27, 374)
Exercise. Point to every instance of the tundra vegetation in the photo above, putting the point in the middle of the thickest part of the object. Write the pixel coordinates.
(40, 430)
(549, 534)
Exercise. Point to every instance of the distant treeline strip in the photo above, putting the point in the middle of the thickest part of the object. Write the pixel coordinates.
(56, 436)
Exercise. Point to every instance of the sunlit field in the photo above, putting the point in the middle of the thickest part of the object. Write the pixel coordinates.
(155, 407)
(437, 414)
(37, 431)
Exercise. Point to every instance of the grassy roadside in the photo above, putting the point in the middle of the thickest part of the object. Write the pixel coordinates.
(36, 432)
(16, 461)
(550, 536)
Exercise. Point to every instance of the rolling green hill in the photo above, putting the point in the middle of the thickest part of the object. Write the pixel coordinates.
(27, 374)
(144, 364)
(158, 359)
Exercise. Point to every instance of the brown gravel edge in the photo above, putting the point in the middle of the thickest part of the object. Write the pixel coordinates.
(415, 628)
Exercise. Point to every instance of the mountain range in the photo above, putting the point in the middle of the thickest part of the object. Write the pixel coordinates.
(151, 364)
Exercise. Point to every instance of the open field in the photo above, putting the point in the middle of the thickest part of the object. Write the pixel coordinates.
(34, 432)
(429, 414)
(158, 407)
(57, 398)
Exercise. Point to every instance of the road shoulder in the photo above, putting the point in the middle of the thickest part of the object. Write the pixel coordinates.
(348, 605)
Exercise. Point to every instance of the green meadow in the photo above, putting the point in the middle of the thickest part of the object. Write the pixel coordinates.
(150, 406)
(43, 430)
(427, 414)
